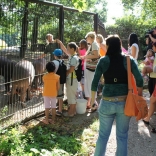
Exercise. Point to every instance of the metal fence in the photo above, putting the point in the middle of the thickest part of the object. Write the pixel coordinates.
(24, 25)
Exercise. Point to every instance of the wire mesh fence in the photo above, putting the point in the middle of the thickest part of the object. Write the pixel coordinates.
(23, 29)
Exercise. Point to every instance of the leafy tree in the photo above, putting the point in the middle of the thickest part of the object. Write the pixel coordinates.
(128, 24)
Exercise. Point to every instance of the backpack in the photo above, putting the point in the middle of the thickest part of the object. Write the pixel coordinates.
(78, 71)
(62, 69)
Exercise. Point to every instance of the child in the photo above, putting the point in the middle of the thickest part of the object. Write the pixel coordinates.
(71, 82)
(82, 51)
(61, 71)
(51, 86)
(148, 68)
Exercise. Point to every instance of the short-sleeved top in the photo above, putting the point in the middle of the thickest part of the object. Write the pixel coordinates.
(151, 63)
(137, 52)
(50, 81)
(57, 63)
(73, 61)
(102, 52)
(95, 46)
(82, 53)
(50, 49)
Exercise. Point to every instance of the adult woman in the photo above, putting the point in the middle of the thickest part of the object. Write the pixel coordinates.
(113, 66)
(90, 58)
(102, 44)
(133, 49)
(152, 107)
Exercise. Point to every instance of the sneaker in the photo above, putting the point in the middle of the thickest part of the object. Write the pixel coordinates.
(59, 113)
(67, 115)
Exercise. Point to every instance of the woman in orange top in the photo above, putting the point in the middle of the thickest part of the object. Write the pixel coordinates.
(102, 44)
(51, 86)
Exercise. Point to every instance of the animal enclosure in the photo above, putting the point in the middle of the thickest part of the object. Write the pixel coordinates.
(24, 25)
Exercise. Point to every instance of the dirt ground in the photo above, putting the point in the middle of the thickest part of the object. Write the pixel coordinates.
(141, 140)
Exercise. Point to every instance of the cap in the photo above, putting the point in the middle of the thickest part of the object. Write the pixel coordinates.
(57, 52)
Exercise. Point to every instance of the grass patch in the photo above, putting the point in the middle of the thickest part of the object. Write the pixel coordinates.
(51, 140)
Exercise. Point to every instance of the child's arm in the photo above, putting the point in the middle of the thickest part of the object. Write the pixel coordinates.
(62, 47)
(58, 85)
(151, 60)
(70, 70)
(78, 51)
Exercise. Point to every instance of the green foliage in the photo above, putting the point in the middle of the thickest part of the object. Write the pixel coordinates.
(38, 141)
(3, 111)
(57, 140)
(88, 5)
(128, 24)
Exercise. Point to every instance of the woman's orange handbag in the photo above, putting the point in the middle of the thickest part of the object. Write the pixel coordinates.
(135, 105)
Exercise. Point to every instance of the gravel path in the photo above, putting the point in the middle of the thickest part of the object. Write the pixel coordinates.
(141, 141)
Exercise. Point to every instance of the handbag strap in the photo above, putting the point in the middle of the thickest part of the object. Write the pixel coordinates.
(129, 73)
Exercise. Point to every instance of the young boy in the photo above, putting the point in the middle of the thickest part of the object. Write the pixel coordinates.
(71, 81)
(51, 86)
(59, 62)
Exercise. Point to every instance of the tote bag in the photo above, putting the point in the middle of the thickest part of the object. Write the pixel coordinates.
(135, 105)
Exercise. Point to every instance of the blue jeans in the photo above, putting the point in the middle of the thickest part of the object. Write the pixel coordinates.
(108, 111)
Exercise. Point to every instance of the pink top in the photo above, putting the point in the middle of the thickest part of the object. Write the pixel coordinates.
(151, 58)
(124, 50)
(82, 53)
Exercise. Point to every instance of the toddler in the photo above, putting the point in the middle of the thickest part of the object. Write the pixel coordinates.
(148, 68)
(51, 86)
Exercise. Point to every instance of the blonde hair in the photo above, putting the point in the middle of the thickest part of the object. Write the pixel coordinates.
(91, 34)
(100, 37)
(49, 35)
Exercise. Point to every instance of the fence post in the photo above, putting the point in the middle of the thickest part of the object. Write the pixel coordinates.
(96, 23)
(34, 35)
(61, 23)
(24, 32)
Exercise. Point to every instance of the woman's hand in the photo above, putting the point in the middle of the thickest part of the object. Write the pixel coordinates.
(58, 41)
(82, 57)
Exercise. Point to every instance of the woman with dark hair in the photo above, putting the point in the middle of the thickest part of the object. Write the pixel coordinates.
(133, 49)
(114, 69)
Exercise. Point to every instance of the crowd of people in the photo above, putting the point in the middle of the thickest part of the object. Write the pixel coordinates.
(101, 60)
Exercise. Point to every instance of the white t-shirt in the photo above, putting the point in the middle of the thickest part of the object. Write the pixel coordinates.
(95, 46)
(73, 61)
(137, 52)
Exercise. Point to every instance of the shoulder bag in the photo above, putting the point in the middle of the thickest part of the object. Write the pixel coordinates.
(91, 63)
(135, 105)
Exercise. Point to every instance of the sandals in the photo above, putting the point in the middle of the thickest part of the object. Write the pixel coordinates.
(45, 122)
(146, 122)
(94, 108)
(153, 130)
(88, 107)
(59, 113)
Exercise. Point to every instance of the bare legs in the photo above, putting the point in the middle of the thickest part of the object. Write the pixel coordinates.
(47, 115)
(72, 110)
(151, 108)
(60, 104)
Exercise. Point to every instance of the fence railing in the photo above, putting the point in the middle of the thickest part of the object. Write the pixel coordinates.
(24, 25)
